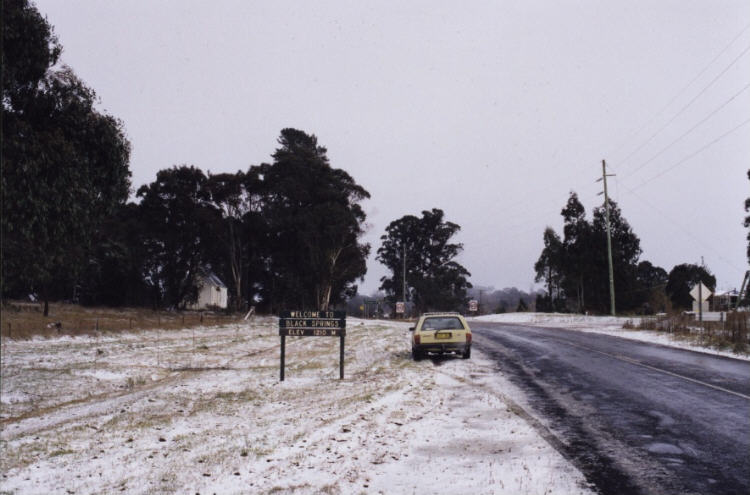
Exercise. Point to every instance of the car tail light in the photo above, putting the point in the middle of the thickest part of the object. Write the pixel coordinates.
(468, 337)
(417, 339)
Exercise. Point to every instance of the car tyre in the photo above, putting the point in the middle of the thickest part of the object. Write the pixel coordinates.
(416, 354)
(467, 353)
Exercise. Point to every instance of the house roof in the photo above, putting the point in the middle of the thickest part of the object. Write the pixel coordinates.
(211, 278)
(733, 292)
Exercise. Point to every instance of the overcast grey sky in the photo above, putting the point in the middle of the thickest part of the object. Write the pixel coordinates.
(490, 110)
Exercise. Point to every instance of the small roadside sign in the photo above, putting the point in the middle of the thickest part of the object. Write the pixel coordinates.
(400, 307)
(473, 305)
(700, 291)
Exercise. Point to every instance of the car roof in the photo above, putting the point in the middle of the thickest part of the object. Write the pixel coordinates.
(445, 313)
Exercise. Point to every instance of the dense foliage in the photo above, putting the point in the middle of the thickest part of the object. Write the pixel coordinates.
(434, 280)
(575, 270)
(313, 224)
(681, 280)
(65, 164)
(279, 234)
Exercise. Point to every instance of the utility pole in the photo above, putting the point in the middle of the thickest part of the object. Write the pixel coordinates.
(609, 238)
(403, 293)
(739, 296)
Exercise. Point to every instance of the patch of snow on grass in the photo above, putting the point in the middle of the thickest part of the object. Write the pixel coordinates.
(203, 411)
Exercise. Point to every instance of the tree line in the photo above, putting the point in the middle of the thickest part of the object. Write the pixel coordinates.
(574, 268)
(506, 300)
(280, 234)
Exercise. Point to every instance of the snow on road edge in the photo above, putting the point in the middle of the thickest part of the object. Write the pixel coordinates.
(609, 325)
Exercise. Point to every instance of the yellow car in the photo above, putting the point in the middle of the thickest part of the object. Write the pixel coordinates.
(441, 333)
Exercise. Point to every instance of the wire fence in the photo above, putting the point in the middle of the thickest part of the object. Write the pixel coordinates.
(729, 331)
(24, 324)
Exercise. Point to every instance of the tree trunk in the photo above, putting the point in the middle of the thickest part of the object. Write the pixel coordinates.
(235, 263)
(45, 296)
(583, 300)
(323, 296)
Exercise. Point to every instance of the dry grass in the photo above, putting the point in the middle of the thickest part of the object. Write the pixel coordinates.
(731, 333)
(22, 320)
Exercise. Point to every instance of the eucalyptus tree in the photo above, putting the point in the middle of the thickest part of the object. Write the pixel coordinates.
(547, 268)
(314, 221)
(577, 264)
(178, 222)
(422, 245)
(238, 235)
(65, 164)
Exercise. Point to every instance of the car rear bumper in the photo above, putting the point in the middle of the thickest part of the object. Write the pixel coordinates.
(442, 348)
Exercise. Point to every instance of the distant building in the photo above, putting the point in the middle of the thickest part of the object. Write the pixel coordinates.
(725, 301)
(212, 293)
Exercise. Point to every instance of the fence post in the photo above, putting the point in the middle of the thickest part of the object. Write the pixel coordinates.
(10, 331)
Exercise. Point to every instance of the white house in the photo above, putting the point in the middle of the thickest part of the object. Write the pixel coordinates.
(212, 293)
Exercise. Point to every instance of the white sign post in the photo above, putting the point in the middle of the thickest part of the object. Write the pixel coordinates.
(473, 305)
(400, 307)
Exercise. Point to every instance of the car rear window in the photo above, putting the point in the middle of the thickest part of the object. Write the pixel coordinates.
(442, 323)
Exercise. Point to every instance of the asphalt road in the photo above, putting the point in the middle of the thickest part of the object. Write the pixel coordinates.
(634, 417)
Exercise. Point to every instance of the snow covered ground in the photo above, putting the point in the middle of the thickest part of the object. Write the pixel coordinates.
(609, 325)
(203, 412)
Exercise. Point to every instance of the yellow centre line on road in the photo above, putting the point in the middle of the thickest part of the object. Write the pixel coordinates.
(653, 368)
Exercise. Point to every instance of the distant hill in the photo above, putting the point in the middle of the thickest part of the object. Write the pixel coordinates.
(502, 300)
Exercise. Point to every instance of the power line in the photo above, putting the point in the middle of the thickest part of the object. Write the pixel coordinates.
(689, 131)
(685, 230)
(700, 93)
(691, 155)
(681, 91)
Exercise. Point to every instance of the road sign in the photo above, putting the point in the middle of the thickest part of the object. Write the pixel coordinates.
(312, 324)
(312, 332)
(700, 291)
(473, 305)
(323, 320)
(400, 307)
